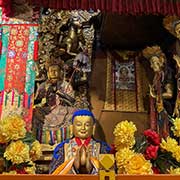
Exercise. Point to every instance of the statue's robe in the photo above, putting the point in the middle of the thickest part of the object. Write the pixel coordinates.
(64, 155)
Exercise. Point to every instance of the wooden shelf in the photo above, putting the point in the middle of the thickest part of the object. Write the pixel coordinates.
(87, 177)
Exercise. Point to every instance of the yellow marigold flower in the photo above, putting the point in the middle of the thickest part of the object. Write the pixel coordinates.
(3, 139)
(138, 165)
(169, 145)
(124, 134)
(174, 170)
(13, 127)
(176, 127)
(122, 158)
(176, 153)
(35, 151)
(124, 142)
(17, 152)
(31, 169)
(10, 172)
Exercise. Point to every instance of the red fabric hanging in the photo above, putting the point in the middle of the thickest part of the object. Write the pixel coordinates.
(133, 7)
(35, 50)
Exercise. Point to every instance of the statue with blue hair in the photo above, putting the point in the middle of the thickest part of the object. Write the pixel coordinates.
(79, 155)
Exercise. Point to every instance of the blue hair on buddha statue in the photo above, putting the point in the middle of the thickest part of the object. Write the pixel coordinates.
(83, 112)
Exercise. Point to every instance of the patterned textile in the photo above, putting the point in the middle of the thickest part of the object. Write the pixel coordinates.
(125, 92)
(17, 68)
(53, 127)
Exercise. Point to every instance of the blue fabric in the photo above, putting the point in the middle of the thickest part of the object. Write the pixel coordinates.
(83, 112)
(59, 146)
(105, 148)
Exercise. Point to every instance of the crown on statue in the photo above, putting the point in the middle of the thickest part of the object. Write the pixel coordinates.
(149, 52)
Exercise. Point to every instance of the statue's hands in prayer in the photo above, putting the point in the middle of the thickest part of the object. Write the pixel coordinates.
(82, 161)
(88, 161)
(77, 159)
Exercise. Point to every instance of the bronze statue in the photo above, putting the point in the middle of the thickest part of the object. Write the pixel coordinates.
(160, 90)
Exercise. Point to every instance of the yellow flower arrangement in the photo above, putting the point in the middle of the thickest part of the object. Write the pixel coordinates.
(124, 134)
(176, 153)
(12, 128)
(18, 147)
(3, 139)
(122, 158)
(10, 172)
(176, 127)
(138, 165)
(17, 152)
(35, 151)
(31, 169)
(169, 145)
(174, 170)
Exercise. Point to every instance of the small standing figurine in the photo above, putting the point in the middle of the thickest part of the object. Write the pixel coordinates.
(79, 155)
(160, 90)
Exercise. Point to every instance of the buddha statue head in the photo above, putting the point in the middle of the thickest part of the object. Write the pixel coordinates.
(156, 57)
(54, 70)
(83, 124)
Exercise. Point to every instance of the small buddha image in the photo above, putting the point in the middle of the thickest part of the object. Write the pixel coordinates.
(125, 77)
(79, 154)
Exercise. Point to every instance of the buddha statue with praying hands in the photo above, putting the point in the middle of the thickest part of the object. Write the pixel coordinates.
(79, 155)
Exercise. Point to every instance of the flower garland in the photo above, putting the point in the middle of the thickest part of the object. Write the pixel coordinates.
(148, 154)
(18, 148)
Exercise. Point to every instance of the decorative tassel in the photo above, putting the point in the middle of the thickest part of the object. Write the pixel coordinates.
(58, 136)
(29, 102)
(51, 137)
(67, 132)
(19, 100)
(6, 98)
(47, 137)
(24, 100)
(1, 97)
(0, 47)
(62, 134)
(12, 102)
(35, 50)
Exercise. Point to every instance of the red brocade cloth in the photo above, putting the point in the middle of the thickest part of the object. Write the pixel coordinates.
(133, 7)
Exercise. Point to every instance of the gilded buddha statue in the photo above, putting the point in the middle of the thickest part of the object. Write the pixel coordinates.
(79, 155)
